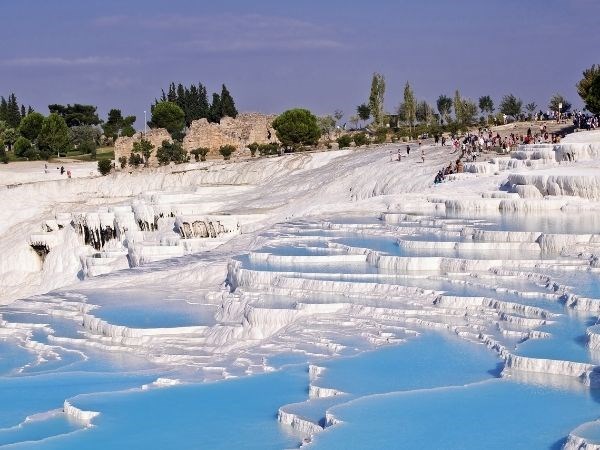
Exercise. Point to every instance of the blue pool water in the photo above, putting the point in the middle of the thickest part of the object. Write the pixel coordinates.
(434, 391)
(233, 414)
(497, 414)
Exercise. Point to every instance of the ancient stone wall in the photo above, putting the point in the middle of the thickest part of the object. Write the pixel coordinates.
(156, 136)
(240, 132)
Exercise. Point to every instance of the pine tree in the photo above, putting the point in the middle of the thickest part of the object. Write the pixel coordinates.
(227, 104)
(29, 109)
(23, 113)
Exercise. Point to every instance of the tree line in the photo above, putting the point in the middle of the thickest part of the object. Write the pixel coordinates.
(69, 128)
(458, 113)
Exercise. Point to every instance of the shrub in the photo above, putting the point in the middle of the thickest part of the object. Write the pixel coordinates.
(253, 148)
(380, 135)
(4, 159)
(171, 152)
(104, 166)
(135, 159)
(344, 141)
(226, 151)
(360, 139)
(268, 149)
(200, 153)
(123, 161)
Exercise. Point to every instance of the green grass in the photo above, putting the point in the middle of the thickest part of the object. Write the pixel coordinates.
(99, 156)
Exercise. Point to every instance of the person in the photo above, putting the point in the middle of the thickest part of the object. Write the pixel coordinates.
(399, 155)
(62, 170)
(423, 155)
(407, 150)
(68, 173)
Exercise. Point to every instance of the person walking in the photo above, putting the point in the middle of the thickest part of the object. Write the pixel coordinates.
(407, 150)
(423, 155)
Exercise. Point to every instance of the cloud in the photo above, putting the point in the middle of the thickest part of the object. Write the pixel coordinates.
(57, 61)
(233, 32)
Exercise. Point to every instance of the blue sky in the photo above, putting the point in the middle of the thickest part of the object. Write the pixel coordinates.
(279, 54)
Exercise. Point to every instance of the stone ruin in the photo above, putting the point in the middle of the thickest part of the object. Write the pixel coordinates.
(156, 136)
(240, 132)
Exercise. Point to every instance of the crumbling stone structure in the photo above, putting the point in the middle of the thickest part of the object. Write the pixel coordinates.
(240, 132)
(156, 136)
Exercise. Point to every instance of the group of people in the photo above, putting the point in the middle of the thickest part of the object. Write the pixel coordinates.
(399, 153)
(583, 121)
(61, 168)
(457, 167)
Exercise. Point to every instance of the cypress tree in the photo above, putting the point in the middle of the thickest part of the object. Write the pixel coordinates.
(227, 104)
(203, 105)
(214, 114)
(3, 109)
(23, 113)
(13, 112)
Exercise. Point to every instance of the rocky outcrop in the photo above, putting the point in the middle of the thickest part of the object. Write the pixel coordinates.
(240, 132)
(156, 136)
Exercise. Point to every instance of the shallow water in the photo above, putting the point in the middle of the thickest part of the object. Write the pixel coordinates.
(495, 414)
(450, 397)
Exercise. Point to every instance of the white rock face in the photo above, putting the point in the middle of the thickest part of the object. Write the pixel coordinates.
(84, 417)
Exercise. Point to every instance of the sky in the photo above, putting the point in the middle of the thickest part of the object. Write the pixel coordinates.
(278, 54)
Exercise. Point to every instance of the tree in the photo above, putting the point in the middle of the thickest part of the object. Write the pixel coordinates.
(364, 112)
(587, 88)
(227, 104)
(104, 166)
(556, 101)
(326, 125)
(214, 112)
(226, 151)
(469, 113)
(486, 105)
(354, 122)
(54, 135)
(113, 124)
(76, 114)
(376, 98)
(297, 127)
(458, 108)
(531, 107)
(410, 107)
(31, 125)
(169, 116)
(116, 125)
(424, 113)
(511, 106)
(85, 135)
(13, 112)
(592, 101)
(21, 146)
(145, 148)
(444, 106)
(171, 152)
(10, 137)
(338, 114)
